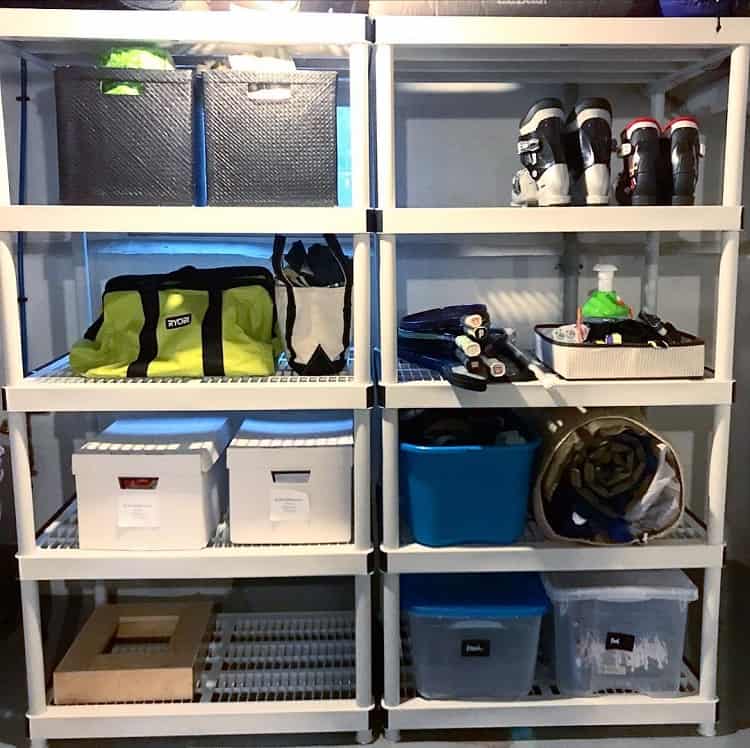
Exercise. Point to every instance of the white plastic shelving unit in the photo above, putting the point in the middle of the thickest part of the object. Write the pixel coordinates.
(309, 700)
(660, 54)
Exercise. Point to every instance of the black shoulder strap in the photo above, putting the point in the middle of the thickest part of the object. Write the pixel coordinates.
(212, 334)
(279, 242)
(93, 331)
(147, 339)
(346, 267)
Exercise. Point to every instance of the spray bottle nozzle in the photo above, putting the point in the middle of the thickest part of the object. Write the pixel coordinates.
(606, 274)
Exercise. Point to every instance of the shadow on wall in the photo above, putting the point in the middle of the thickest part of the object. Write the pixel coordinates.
(734, 657)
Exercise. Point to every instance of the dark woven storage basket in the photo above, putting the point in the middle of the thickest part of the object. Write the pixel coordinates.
(271, 152)
(125, 150)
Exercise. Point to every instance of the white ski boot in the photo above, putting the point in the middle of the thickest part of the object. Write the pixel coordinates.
(588, 149)
(545, 179)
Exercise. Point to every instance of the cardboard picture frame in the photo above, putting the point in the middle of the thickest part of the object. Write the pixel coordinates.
(93, 671)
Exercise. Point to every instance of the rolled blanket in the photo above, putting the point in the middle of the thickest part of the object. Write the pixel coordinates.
(606, 477)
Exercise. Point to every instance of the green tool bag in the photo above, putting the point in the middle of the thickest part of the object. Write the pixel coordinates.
(189, 323)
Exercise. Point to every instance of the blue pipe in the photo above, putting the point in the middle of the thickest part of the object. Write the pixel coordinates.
(21, 238)
(87, 275)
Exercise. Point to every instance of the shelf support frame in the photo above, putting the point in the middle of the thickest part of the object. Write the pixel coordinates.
(385, 93)
(650, 283)
(362, 480)
(734, 151)
(359, 100)
(392, 641)
(12, 374)
(363, 646)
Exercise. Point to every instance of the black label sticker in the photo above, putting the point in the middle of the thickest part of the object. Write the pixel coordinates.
(623, 642)
(181, 320)
(475, 648)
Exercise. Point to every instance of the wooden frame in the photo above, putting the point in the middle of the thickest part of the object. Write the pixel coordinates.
(91, 673)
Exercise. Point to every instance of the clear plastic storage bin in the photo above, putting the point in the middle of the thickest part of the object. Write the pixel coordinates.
(474, 636)
(619, 630)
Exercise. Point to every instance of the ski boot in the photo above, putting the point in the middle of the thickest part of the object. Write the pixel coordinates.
(685, 150)
(544, 180)
(639, 182)
(588, 148)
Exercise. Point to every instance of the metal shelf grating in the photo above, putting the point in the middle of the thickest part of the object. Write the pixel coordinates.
(280, 657)
(689, 530)
(258, 657)
(544, 688)
(418, 387)
(59, 372)
(62, 534)
(411, 374)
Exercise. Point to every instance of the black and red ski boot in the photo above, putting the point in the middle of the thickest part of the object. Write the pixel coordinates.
(640, 149)
(685, 152)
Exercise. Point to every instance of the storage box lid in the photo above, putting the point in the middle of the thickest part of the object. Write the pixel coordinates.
(205, 437)
(474, 595)
(620, 586)
(314, 429)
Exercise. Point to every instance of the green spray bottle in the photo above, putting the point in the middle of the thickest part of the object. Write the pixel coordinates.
(604, 304)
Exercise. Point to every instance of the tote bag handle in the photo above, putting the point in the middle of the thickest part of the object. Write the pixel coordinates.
(279, 244)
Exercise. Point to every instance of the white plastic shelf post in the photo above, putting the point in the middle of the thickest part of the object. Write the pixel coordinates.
(650, 284)
(359, 86)
(362, 480)
(734, 151)
(359, 77)
(384, 104)
(363, 644)
(19, 452)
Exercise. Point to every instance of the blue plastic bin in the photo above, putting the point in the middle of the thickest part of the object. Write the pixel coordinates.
(474, 636)
(696, 7)
(467, 495)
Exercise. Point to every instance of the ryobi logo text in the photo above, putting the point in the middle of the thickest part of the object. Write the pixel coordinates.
(181, 320)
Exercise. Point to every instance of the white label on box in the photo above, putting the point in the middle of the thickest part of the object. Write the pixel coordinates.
(138, 511)
(288, 504)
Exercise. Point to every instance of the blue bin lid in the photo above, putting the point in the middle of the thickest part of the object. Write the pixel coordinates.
(499, 595)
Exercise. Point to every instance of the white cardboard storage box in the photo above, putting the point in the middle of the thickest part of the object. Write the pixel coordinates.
(152, 484)
(290, 480)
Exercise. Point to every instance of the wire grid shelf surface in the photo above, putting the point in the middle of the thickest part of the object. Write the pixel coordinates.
(59, 372)
(255, 657)
(544, 687)
(62, 534)
(411, 373)
(280, 657)
(688, 531)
